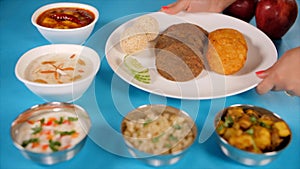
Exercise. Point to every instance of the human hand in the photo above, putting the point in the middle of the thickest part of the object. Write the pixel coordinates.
(197, 6)
(283, 75)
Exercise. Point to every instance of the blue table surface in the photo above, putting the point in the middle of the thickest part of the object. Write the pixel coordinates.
(109, 97)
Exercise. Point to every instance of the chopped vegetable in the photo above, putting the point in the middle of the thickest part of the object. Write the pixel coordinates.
(72, 118)
(147, 122)
(32, 140)
(173, 138)
(54, 145)
(64, 133)
(220, 127)
(264, 125)
(253, 119)
(36, 129)
(168, 145)
(51, 133)
(250, 131)
(155, 139)
(60, 121)
(228, 121)
(30, 121)
(42, 121)
(136, 69)
(177, 127)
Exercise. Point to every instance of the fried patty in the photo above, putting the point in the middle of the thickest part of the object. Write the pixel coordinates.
(179, 52)
(227, 51)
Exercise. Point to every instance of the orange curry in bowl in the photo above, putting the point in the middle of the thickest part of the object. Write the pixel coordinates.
(253, 130)
(65, 18)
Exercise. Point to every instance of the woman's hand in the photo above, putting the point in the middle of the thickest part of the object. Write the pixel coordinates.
(197, 6)
(283, 75)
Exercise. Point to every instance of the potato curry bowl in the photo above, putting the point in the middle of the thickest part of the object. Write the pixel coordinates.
(251, 135)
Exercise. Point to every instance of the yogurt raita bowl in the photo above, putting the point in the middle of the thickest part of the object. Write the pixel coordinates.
(51, 133)
(58, 72)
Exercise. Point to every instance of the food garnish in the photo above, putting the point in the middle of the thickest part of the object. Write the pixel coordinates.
(51, 134)
(136, 69)
(57, 69)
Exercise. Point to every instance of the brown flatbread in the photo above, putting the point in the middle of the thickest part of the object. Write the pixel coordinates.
(179, 52)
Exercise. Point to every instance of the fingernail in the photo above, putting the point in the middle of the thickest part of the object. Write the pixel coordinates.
(260, 72)
(164, 7)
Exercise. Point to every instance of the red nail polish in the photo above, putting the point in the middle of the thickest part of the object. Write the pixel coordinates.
(164, 7)
(260, 72)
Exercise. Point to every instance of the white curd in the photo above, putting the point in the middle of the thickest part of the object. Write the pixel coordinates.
(58, 68)
(51, 132)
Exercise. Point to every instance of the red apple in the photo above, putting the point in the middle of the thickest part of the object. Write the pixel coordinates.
(242, 9)
(275, 17)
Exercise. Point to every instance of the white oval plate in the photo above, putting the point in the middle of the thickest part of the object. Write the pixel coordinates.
(208, 85)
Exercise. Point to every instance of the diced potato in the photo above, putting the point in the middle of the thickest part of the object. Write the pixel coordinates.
(235, 112)
(236, 126)
(282, 128)
(262, 137)
(230, 132)
(245, 122)
(275, 138)
(251, 112)
(266, 120)
(243, 141)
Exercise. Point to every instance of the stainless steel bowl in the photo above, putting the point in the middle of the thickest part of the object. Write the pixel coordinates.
(157, 159)
(42, 109)
(246, 157)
